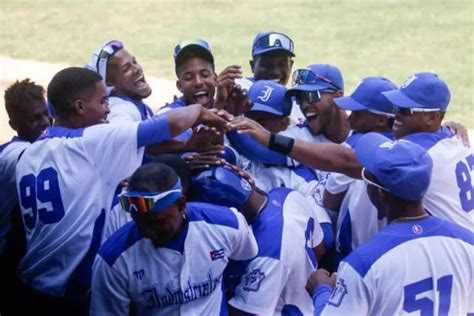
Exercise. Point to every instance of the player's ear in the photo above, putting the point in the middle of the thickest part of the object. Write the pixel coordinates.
(179, 86)
(13, 124)
(338, 94)
(78, 106)
(251, 63)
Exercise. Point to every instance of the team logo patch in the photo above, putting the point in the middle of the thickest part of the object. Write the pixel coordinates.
(276, 202)
(267, 93)
(408, 81)
(253, 280)
(217, 254)
(245, 185)
(338, 293)
(417, 229)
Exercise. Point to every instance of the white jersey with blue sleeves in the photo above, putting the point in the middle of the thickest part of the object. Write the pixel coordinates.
(66, 181)
(124, 109)
(451, 192)
(9, 154)
(274, 282)
(419, 267)
(182, 278)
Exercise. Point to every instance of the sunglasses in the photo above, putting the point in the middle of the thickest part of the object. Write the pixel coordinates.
(275, 40)
(309, 96)
(307, 76)
(143, 202)
(198, 42)
(370, 182)
(107, 51)
(410, 111)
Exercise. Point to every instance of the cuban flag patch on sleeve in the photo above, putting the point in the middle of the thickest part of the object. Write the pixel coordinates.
(217, 254)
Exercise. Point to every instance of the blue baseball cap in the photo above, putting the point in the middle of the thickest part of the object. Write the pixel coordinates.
(423, 90)
(222, 186)
(268, 96)
(198, 47)
(316, 77)
(368, 96)
(271, 41)
(401, 166)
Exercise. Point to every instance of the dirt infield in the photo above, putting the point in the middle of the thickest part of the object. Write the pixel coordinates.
(16, 69)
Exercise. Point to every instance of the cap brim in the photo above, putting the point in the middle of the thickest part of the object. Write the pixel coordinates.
(266, 50)
(349, 103)
(305, 87)
(400, 99)
(264, 108)
(366, 149)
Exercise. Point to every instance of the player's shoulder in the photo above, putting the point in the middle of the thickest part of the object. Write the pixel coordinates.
(119, 242)
(427, 140)
(15, 145)
(212, 214)
(399, 233)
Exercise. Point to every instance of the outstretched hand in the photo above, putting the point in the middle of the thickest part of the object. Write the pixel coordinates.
(460, 131)
(225, 84)
(215, 118)
(244, 125)
(205, 139)
(200, 162)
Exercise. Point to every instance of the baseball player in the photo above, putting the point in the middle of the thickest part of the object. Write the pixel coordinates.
(288, 236)
(171, 258)
(26, 108)
(421, 102)
(66, 180)
(416, 264)
(370, 112)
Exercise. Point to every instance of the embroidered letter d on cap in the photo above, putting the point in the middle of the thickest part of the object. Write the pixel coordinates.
(423, 90)
(403, 167)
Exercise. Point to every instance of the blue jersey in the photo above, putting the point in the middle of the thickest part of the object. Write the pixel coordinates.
(286, 231)
(451, 192)
(422, 267)
(182, 277)
(9, 155)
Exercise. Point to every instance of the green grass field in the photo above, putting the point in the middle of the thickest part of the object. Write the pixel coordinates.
(364, 38)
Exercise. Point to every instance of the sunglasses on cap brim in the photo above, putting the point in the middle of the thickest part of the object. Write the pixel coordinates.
(142, 202)
(307, 76)
(410, 111)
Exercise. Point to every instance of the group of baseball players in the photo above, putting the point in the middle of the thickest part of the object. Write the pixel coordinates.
(240, 197)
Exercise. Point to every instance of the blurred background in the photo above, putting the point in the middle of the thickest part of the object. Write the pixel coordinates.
(363, 38)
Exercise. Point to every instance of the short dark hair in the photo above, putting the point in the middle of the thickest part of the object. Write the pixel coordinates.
(188, 54)
(179, 166)
(22, 93)
(71, 84)
(152, 177)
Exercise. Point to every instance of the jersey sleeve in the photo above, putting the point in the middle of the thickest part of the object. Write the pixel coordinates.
(338, 183)
(351, 296)
(261, 286)
(109, 291)
(113, 149)
(122, 111)
(245, 246)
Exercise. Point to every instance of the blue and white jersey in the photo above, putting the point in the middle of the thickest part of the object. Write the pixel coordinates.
(419, 267)
(274, 282)
(66, 181)
(178, 103)
(125, 109)
(451, 192)
(358, 219)
(9, 154)
(182, 278)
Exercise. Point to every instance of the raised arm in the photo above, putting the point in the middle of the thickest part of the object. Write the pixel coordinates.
(326, 157)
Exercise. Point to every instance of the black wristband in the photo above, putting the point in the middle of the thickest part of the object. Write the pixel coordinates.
(281, 144)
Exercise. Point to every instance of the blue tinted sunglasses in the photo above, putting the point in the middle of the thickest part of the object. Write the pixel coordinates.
(307, 76)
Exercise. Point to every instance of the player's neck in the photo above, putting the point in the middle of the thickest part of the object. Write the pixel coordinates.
(409, 211)
(254, 205)
(68, 122)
